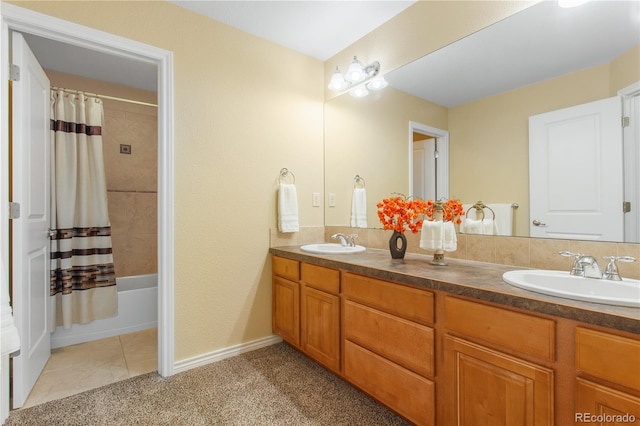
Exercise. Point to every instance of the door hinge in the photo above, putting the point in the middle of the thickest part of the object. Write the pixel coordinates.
(625, 121)
(626, 206)
(14, 210)
(14, 73)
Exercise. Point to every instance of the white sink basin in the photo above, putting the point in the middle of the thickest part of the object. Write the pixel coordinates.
(561, 284)
(331, 248)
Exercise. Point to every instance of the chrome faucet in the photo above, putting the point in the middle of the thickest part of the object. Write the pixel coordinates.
(587, 266)
(346, 240)
(590, 267)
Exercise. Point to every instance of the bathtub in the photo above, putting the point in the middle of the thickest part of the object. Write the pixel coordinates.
(137, 310)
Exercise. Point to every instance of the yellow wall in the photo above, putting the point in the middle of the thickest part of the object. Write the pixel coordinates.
(369, 137)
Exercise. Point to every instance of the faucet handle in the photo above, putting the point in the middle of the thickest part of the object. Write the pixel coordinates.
(570, 254)
(576, 268)
(351, 239)
(611, 273)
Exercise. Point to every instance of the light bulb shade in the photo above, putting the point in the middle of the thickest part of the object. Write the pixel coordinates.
(377, 83)
(355, 72)
(571, 3)
(359, 92)
(337, 81)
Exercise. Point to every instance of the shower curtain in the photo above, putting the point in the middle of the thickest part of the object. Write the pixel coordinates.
(83, 284)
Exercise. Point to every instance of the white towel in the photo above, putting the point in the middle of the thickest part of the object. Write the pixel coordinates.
(504, 218)
(476, 226)
(359, 208)
(432, 235)
(450, 241)
(288, 208)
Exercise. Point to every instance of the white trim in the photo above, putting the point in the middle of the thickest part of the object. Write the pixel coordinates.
(630, 90)
(630, 135)
(26, 21)
(231, 351)
(443, 159)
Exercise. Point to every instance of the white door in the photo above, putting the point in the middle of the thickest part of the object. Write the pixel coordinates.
(419, 170)
(30, 188)
(575, 172)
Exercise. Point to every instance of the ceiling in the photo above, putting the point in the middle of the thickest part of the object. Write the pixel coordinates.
(321, 29)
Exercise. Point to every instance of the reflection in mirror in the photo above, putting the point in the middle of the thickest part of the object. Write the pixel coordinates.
(488, 132)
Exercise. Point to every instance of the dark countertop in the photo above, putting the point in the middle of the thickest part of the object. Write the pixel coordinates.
(478, 280)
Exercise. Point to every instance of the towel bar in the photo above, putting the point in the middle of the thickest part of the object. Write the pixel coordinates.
(358, 180)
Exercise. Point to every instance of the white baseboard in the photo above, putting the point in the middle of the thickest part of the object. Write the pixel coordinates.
(200, 360)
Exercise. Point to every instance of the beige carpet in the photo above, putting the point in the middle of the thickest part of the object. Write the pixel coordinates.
(271, 386)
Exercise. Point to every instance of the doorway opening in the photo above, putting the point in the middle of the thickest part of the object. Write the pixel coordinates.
(24, 21)
(428, 162)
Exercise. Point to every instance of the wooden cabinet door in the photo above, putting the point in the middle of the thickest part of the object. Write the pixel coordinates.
(320, 327)
(286, 310)
(490, 388)
(601, 405)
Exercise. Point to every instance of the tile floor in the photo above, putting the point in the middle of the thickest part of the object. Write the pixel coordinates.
(78, 368)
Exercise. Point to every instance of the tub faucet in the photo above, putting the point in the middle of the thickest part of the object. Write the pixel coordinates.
(346, 240)
(590, 267)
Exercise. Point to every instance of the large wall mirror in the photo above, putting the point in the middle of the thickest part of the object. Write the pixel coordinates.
(482, 91)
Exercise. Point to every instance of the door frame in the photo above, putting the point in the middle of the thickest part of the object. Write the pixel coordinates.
(14, 18)
(632, 131)
(442, 136)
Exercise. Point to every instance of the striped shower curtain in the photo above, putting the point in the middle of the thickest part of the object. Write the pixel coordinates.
(83, 284)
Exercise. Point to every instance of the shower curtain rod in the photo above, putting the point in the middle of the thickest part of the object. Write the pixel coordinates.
(113, 98)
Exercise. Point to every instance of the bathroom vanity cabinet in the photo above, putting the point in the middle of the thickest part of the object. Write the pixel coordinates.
(306, 309)
(438, 355)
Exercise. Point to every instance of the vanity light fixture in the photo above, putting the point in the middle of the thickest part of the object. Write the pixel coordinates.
(359, 78)
(571, 3)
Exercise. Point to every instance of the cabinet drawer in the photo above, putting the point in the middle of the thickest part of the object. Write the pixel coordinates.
(321, 278)
(286, 268)
(406, 302)
(608, 356)
(404, 342)
(523, 333)
(405, 392)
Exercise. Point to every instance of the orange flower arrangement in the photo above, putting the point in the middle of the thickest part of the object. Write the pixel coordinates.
(451, 212)
(399, 213)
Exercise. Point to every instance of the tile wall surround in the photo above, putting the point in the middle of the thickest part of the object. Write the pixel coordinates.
(523, 252)
(131, 178)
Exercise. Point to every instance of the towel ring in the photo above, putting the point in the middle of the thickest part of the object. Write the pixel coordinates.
(480, 206)
(284, 173)
(359, 180)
